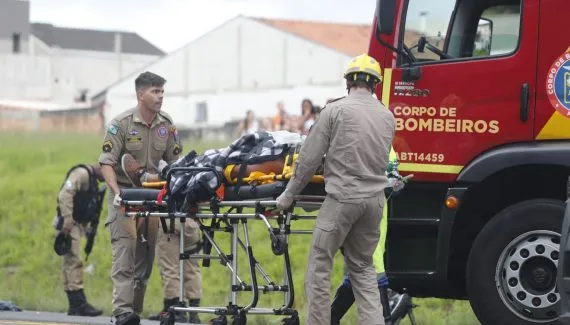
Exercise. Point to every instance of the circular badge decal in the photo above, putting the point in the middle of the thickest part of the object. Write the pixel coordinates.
(558, 84)
(162, 132)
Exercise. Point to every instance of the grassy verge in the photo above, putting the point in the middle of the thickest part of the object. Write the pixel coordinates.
(32, 167)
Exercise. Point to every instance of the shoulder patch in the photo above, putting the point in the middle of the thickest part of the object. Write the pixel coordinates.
(107, 146)
(177, 149)
(113, 128)
(174, 132)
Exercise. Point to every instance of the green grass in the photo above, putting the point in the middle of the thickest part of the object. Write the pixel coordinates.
(32, 167)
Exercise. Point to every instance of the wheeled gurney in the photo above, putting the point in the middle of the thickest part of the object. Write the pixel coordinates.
(241, 188)
(258, 194)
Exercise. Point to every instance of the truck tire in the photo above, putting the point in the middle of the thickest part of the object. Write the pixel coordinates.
(511, 269)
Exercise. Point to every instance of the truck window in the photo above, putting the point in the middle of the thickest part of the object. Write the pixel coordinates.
(430, 19)
(498, 31)
(441, 30)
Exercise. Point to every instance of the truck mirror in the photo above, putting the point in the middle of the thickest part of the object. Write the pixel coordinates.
(422, 44)
(385, 16)
(411, 74)
(483, 38)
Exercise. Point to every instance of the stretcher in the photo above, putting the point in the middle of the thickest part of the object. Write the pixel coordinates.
(224, 212)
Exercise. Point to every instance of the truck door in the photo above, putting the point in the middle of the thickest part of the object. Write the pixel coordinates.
(467, 85)
(552, 117)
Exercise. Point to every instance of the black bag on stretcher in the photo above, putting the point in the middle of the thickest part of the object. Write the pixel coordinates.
(252, 160)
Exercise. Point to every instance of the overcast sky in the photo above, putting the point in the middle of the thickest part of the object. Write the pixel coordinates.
(170, 24)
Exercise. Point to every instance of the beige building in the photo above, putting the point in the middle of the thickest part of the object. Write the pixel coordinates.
(35, 116)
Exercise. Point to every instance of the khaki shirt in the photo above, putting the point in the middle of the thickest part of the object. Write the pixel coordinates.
(356, 133)
(129, 133)
(77, 181)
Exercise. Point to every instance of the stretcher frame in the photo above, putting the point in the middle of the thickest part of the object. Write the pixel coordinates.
(279, 246)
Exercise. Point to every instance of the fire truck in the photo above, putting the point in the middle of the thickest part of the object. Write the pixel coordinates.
(480, 90)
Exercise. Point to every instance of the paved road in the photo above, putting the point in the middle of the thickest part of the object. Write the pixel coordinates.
(37, 318)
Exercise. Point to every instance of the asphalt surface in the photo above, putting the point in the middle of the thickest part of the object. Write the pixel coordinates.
(40, 317)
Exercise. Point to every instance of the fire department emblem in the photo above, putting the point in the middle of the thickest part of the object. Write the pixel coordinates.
(558, 84)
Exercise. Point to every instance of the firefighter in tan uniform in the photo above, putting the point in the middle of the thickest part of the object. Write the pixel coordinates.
(355, 132)
(146, 133)
(79, 206)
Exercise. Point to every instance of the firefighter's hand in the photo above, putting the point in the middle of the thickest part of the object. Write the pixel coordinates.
(117, 200)
(396, 184)
(284, 201)
(67, 225)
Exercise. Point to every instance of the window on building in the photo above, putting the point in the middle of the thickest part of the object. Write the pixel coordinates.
(201, 112)
(16, 48)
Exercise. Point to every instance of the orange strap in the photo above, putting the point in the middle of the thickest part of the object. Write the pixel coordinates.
(161, 194)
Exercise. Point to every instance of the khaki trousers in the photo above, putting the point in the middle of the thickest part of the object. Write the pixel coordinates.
(168, 252)
(354, 225)
(72, 265)
(132, 259)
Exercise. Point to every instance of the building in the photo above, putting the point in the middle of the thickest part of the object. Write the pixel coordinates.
(65, 65)
(14, 26)
(40, 116)
(248, 64)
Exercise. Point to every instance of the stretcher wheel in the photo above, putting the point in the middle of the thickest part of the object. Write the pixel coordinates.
(239, 319)
(293, 320)
(221, 320)
(168, 318)
(279, 244)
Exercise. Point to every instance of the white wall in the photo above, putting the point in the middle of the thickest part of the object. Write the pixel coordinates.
(95, 70)
(6, 46)
(22, 76)
(58, 74)
(244, 64)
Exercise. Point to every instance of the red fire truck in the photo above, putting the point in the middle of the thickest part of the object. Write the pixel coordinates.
(480, 90)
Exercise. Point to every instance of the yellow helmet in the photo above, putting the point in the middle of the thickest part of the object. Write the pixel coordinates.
(364, 64)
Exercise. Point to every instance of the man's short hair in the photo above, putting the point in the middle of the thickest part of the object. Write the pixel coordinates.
(148, 79)
(359, 84)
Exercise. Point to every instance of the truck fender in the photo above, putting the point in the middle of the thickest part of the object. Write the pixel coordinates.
(512, 155)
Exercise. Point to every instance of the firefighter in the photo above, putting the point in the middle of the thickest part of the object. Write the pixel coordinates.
(394, 305)
(79, 205)
(148, 134)
(355, 132)
(167, 250)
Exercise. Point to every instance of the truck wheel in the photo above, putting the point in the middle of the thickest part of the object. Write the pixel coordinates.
(511, 270)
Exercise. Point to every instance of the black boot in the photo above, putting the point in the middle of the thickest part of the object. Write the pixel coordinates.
(343, 299)
(78, 305)
(164, 309)
(385, 305)
(400, 304)
(179, 316)
(193, 317)
(128, 319)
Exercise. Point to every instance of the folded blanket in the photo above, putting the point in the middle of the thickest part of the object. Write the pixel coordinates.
(191, 187)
